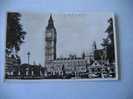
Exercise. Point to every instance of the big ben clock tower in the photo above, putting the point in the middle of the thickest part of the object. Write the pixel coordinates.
(50, 41)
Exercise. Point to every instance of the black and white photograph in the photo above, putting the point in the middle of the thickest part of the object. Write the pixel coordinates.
(60, 46)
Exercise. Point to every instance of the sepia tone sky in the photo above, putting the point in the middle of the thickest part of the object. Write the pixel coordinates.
(75, 33)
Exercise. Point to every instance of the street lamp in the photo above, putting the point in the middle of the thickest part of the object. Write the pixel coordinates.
(28, 54)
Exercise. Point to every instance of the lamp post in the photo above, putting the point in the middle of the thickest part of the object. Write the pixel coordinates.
(28, 54)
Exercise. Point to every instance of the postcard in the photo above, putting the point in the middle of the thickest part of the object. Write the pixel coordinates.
(61, 46)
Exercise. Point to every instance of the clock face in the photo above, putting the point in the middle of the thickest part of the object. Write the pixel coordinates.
(49, 34)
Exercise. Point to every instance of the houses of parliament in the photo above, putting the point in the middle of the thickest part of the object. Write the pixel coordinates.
(71, 65)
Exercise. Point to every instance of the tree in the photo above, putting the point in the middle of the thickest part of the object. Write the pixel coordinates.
(15, 34)
(83, 55)
(97, 55)
(108, 43)
(94, 46)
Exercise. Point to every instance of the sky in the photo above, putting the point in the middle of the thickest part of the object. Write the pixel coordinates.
(76, 33)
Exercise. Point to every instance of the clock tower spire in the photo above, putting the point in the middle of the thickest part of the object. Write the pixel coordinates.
(50, 41)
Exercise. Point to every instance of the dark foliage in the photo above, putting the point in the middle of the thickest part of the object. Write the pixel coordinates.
(15, 34)
(97, 55)
(108, 43)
